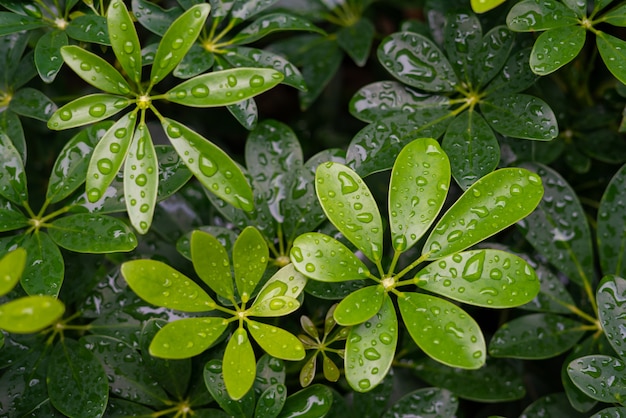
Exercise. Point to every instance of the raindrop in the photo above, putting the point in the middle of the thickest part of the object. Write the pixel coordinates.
(85, 66)
(177, 43)
(94, 195)
(421, 181)
(399, 243)
(481, 211)
(105, 166)
(348, 184)
(65, 115)
(97, 110)
(200, 91)
(365, 217)
(515, 190)
(256, 81)
(141, 180)
(207, 167)
(309, 267)
(120, 133)
(277, 304)
(364, 384)
(455, 235)
(144, 208)
(371, 354)
(128, 47)
(296, 252)
(232, 80)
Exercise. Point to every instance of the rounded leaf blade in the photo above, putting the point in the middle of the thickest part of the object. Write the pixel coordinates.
(359, 306)
(250, 257)
(210, 261)
(600, 377)
(30, 313)
(239, 365)
(92, 233)
(612, 311)
(87, 109)
(124, 39)
(276, 341)
(187, 337)
(612, 224)
(556, 47)
(531, 15)
(11, 268)
(94, 70)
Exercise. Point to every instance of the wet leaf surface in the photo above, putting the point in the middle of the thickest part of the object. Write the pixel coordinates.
(360, 305)
(239, 366)
(124, 39)
(611, 233)
(276, 341)
(600, 377)
(214, 380)
(92, 234)
(314, 401)
(555, 48)
(611, 299)
(187, 337)
(428, 402)
(530, 15)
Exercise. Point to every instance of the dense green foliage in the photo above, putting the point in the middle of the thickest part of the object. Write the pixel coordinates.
(201, 199)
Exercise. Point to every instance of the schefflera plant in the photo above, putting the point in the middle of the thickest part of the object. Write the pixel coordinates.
(162, 285)
(129, 141)
(419, 184)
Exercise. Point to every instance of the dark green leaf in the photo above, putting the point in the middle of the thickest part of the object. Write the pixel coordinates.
(616, 16)
(492, 55)
(12, 127)
(556, 47)
(611, 233)
(12, 48)
(356, 40)
(535, 336)
(360, 305)
(187, 337)
(120, 408)
(124, 39)
(269, 371)
(92, 234)
(12, 23)
(535, 15)
(612, 412)
(271, 401)
(333, 290)
(242, 10)
(154, 18)
(516, 75)
(89, 28)
(612, 311)
(95, 70)
(612, 53)
(314, 401)
(197, 61)
(553, 296)
(373, 404)
(33, 104)
(428, 403)
(221, 8)
(462, 39)
(44, 265)
(555, 405)
(77, 383)
(577, 398)
(214, 381)
(600, 377)
(30, 314)
(270, 23)
(48, 56)
(87, 109)
(246, 113)
(11, 218)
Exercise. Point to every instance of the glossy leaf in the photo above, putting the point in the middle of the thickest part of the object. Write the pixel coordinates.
(555, 48)
(462, 39)
(417, 191)
(141, 179)
(214, 381)
(370, 348)
(472, 148)
(612, 224)
(211, 263)
(89, 28)
(211, 166)
(92, 234)
(553, 296)
(427, 402)
(497, 381)
(534, 15)
(12, 23)
(577, 398)
(600, 377)
(239, 364)
(276, 341)
(443, 330)
(161, 285)
(30, 313)
(32, 103)
(95, 70)
(493, 203)
(489, 278)
(612, 311)
(47, 54)
(557, 228)
(616, 16)
(612, 52)
(535, 336)
(77, 383)
(87, 109)
(242, 10)
(250, 257)
(492, 55)
(124, 39)
(323, 258)
(314, 401)
(271, 401)
(154, 18)
(11, 218)
(417, 61)
(180, 36)
(108, 156)
(12, 174)
(45, 268)
(12, 127)
(356, 40)
(482, 6)
(373, 403)
(516, 75)
(269, 371)
(551, 406)
(284, 286)
(187, 337)
(195, 62)
(349, 205)
(270, 23)
(359, 306)
(11, 268)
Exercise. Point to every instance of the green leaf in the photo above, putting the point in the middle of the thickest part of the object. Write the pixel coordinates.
(349, 205)
(45, 268)
(323, 258)
(612, 52)
(558, 230)
(611, 312)
(95, 70)
(371, 347)
(242, 10)
(11, 218)
(246, 112)
(314, 401)
(108, 156)
(462, 39)
(211, 263)
(427, 402)
(32, 103)
(12, 174)
(489, 278)
(30, 313)
(271, 401)
(239, 365)
(516, 75)
(94, 234)
(497, 381)
(534, 15)
(535, 336)
(12, 127)
(611, 232)
(600, 377)
(492, 55)
(443, 330)
(615, 16)
(320, 63)
(197, 61)
(250, 257)
(373, 403)
(180, 36)
(553, 296)
(77, 383)
(87, 109)
(417, 61)
(12, 23)
(482, 6)
(124, 39)
(270, 23)
(171, 290)
(577, 398)
(359, 306)
(154, 18)
(11, 268)
(556, 47)
(187, 337)
(417, 191)
(47, 54)
(141, 179)
(284, 286)
(269, 371)
(211, 166)
(356, 40)
(276, 341)
(89, 28)
(121, 408)
(214, 381)
(551, 406)
(494, 202)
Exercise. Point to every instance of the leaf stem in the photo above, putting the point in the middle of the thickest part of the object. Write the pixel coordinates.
(394, 261)
(411, 266)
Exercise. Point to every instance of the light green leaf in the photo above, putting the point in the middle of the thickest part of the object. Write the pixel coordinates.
(371, 347)
(482, 6)
(95, 234)
(323, 258)
(489, 278)
(360, 305)
(214, 381)
(124, 39)
(45, 268)
(493, 203)
(180, 36)
(108, 156)
(276, 341)
(350, 206)
(536, 336)
(141, 179)
(211, 166)
(286, 282)
(600, 377)
(239, 366)
(611, 232)
(270, 23)
(250, 257)
(556, 47)
(47, 54)
(87, 109)
(443, 330)
(417, 191)
(30, 313)
(612, 312)
(161, 285)
(11, 268)
(428, 402)
(211, 263)
(187, 337)
(534, 15)
(276, 306)
(12, 174)
(94, 70)
(612, 53)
